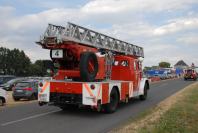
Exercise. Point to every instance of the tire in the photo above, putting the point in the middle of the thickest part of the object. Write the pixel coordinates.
(114, 100)
(87, 72)
(32, 97)
(16, 99)
(1, 102)
(144, 96)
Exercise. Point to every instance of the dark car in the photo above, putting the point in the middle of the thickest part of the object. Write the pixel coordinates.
(25, 90)
(11, 83)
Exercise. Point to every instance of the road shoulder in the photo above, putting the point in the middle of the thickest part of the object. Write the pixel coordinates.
(165, 114)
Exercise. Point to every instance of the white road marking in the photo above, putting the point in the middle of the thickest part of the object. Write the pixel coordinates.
(30, 117)
(164, 84)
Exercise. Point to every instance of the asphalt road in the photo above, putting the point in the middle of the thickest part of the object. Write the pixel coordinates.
(31, 118)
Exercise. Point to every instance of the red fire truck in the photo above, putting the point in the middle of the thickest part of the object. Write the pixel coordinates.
(190, 73)
(94, 70)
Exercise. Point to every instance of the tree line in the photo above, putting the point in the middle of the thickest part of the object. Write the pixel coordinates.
(16, 62)
(162, 64)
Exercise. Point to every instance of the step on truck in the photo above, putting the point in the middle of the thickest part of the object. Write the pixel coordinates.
(94, 70)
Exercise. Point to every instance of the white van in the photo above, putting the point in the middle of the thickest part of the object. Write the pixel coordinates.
(3, 96)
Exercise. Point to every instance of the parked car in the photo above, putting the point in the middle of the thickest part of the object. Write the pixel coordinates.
(10, 84)
(26, 90)
(3, 97)
(172, 75)
(6, 78)
(161, 76)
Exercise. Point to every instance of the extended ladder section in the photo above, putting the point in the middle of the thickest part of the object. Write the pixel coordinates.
(74, 33)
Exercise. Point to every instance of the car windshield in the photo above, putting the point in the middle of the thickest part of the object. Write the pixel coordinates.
(11, 81)
(23, 84)
(1, 80)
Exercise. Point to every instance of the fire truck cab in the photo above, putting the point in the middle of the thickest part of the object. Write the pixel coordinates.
(94, 70)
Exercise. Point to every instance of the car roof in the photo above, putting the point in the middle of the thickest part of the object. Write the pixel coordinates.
(28, 81)
(4, 76)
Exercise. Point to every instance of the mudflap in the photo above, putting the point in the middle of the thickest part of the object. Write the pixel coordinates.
(44, 93)
(142, 84)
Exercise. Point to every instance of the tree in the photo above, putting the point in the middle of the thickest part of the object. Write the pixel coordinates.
(35, 70)
(19, 62)
(14, 62)
(155, 67)
(164, 64)
(146, 68)
(42, 66)
(3, 60)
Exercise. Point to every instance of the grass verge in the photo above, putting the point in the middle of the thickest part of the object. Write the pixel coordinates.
(176, 114)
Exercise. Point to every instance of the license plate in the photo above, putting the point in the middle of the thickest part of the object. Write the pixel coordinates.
(43, 97)
(57, 53)
(19, 90)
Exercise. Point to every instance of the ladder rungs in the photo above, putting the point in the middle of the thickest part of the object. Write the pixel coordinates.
(79, 34)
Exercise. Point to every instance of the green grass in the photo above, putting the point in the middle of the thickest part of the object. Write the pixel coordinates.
(181, 118)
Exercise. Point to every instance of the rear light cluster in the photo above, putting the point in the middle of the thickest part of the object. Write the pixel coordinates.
(27, 89)
(40, 84)
(92, 87)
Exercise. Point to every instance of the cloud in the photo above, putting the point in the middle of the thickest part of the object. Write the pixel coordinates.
(22, 31)
(188, 40)
(157, 52)
(6, 10)
(117, 6)
(133, 29)
(40, 20)
(121, 19)
(177, 26)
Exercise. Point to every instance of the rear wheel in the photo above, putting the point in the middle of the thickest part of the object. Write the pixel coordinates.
(114, 100)
(144, 96)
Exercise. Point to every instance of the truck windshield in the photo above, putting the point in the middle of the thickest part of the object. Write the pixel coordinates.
(189, 71)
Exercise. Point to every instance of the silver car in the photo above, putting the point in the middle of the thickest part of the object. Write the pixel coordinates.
(3, 97)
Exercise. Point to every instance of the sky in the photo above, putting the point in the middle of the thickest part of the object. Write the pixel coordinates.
(166, 29)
